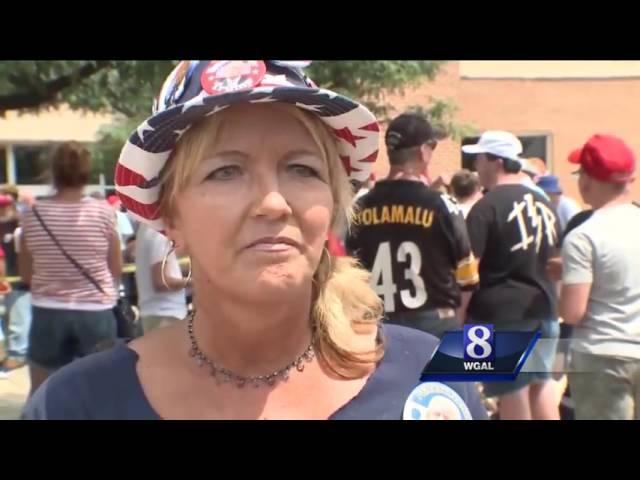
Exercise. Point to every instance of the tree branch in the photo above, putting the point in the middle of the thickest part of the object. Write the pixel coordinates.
(33, 98)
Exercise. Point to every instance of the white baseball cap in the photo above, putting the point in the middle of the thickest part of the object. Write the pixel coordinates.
(498, 143)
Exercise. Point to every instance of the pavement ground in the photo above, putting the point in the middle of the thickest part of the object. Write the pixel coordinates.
(14, 388)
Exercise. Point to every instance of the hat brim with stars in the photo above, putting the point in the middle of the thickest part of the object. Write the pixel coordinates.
(198, 89)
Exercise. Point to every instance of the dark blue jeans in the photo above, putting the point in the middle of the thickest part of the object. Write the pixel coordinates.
(18, 304)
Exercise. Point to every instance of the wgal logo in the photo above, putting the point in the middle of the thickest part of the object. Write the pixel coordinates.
(479, 348)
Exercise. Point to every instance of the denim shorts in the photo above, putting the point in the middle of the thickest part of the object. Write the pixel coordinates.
(57, 337)
(542, 356)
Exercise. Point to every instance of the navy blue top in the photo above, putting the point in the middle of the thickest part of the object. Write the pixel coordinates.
(105, 385)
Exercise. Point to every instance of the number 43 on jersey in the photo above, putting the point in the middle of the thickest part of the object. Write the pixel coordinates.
(409, 261)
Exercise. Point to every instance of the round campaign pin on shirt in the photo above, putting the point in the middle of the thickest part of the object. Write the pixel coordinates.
(435, 401)
(224, 76)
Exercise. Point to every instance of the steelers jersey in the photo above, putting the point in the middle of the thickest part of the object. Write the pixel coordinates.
(414, 242)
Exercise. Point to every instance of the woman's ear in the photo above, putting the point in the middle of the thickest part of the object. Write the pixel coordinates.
(176, 240)
(178, 244)
(172, 232)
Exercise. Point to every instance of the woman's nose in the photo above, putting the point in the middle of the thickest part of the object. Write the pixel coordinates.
(270, 201)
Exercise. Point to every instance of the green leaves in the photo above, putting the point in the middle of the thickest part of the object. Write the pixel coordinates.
(370, 81)
(441, 114)
(106, 150)
(127, 89)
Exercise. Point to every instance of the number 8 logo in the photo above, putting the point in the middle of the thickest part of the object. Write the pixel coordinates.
(479, 341)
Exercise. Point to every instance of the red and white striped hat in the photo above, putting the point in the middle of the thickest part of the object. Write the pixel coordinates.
(197, 89)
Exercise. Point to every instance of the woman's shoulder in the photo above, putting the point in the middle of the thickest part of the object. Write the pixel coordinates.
(407, 352)
(407, 349)
(50, 205)
(96, 205)
(94, 387)
(410, 337)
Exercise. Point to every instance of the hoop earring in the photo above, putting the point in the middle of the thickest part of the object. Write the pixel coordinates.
(320, 272)
(326, 250)
(164, 264)
(188, 280)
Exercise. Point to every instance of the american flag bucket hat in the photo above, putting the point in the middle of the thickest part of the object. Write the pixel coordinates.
(197, 89)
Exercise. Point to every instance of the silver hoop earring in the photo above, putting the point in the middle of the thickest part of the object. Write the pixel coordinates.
(325, 249)
(164, 264)
(190, 272)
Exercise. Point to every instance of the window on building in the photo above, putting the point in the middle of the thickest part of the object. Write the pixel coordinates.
(3, 164)
(533, 146)
(32, 164)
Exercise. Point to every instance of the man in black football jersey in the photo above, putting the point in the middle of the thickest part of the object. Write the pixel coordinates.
(513, 232)
(413, 239)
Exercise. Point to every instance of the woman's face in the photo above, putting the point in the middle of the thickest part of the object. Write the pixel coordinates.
(257, 210)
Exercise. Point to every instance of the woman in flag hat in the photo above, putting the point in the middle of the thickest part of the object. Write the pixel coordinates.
(247, 166)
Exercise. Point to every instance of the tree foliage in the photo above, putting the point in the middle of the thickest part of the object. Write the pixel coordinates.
(127, 88)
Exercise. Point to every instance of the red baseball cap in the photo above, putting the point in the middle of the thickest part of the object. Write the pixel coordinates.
(606, 158)
(574, 157)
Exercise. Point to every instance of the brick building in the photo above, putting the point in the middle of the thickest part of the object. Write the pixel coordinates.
(555, 104)
(25, 140)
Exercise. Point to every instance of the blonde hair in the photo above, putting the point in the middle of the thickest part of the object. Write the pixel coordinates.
(344, 304)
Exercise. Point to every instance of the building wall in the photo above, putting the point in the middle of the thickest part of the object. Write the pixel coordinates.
(570, 109)
(547, 69)
(569, 99)
(42, 128)
(50, 126)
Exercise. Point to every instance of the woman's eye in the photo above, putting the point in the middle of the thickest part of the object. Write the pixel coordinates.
(225, 173)
(303, 170)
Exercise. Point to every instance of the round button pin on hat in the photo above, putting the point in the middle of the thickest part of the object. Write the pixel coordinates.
(222, 76)
(435, 401)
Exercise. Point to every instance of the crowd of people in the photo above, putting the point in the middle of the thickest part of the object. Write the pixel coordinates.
(541, 265)
(308, 273)
(65, 254)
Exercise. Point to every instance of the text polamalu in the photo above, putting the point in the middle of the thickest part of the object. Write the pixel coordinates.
(406, 215)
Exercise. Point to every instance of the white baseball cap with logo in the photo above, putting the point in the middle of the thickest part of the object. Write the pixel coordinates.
(499, 143)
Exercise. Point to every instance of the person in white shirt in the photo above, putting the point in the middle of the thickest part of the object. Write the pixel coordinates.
(125, 229)
(161, 297)
(600, 293)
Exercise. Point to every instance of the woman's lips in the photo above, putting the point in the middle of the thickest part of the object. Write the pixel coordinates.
(274, 244)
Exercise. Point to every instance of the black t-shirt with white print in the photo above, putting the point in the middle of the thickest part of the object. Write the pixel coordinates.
(414, 241)
(513, 231)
